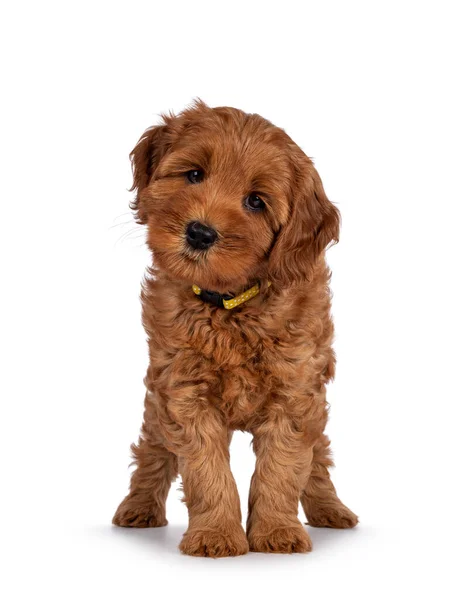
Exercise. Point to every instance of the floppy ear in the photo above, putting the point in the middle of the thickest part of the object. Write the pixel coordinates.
(313, 224)
(146, 155)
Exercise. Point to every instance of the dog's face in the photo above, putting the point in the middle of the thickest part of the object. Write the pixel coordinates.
(228, 199)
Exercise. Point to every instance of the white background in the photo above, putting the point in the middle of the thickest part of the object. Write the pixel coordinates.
(363, 88)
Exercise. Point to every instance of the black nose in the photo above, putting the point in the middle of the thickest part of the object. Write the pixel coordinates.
(200, 236)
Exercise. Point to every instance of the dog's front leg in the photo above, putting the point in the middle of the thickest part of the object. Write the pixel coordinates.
(210, 491)
(283, 465)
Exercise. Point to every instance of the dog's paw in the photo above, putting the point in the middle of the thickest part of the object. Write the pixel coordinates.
(284, 540)
(134, 513)
(337, 516)
(214, 543)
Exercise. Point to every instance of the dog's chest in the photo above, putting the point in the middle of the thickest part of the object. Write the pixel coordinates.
(250, 364)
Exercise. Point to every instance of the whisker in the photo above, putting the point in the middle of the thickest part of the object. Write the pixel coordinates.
(134, 233)
(129, 222)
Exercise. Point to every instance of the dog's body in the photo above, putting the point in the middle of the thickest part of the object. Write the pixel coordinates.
(230, 201)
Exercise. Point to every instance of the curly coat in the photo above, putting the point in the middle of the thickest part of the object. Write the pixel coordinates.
(261, 367)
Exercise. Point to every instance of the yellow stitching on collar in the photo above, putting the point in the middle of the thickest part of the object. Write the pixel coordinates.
(233, 302)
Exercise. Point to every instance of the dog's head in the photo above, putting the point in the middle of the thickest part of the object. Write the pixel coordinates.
(228, 199)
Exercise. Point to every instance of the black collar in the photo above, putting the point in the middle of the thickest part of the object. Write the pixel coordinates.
(214, 298)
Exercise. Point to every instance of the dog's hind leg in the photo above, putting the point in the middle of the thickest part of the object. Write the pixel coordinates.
(319, 499)
(145, 505)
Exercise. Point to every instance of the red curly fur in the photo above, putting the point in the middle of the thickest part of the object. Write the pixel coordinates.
(261, 367)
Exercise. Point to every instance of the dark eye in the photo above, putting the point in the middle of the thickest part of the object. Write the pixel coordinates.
(195, 176)
(254, 202)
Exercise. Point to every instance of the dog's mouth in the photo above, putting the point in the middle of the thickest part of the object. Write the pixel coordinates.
(196, 256)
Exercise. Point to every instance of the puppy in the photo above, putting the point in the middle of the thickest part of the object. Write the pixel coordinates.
(237, 311)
